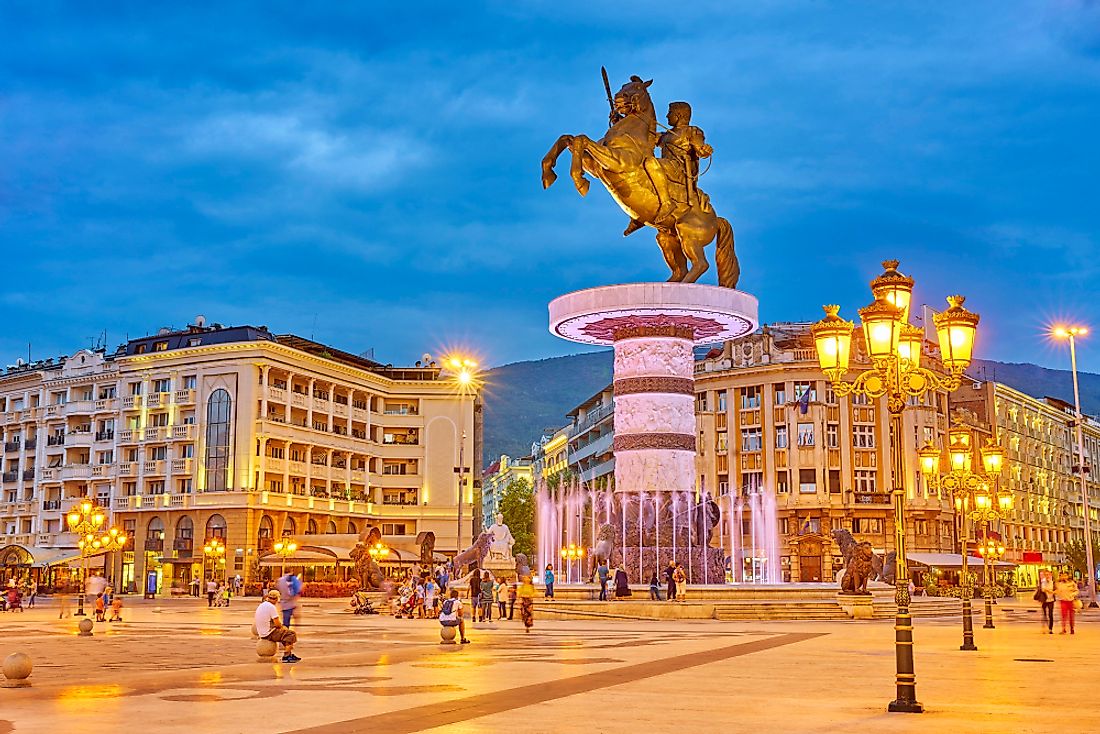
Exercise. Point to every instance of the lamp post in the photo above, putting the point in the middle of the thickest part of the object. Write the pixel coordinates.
(970, 491)
(214, 549)
(990, 550)
(894, 348)
(570, 553)
(85, 520)
(464, 376)
(378, 552)
(1071, 333)
(285, 548)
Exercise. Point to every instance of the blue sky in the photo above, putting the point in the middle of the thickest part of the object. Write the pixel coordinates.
(368, 173)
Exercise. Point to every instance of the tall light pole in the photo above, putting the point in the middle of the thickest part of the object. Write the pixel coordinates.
(462, 372)
(1071, 333)
(894, 349)
(85, 520)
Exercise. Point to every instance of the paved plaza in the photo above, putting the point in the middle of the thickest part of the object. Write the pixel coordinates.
(178, 666)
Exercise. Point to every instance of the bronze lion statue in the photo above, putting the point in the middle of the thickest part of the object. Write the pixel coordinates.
(859, 570)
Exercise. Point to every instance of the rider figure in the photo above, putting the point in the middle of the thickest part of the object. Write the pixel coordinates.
(681, 148)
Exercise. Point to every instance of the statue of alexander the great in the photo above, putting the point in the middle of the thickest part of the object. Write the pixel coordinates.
(662, 192)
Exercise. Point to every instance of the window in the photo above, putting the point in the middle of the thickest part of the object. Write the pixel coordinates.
(859, 398)
(189, 382)
(162, 385)
(183, 486)
(160, 346)
(832, 435)
(867, 525)
(830, 395)
(393, 528)
(721, 401)
(187, 451)
(217, 440)
(865, 480)
(194, 341)
(752, 481)
(135, 388)
(215, 527)
(750, 397)
(155, 486)
(805, 434)
(158, 420)
(808, 525)
(751, 439)
(781, 485)
(863, 437)
(722, 442)
(105, 457)
(158, 453)
(807, 481)
(701, 402)
(781, 437)
(131, 455)
(106, 393)
(780, 391)
(834, 481)
(141, 349)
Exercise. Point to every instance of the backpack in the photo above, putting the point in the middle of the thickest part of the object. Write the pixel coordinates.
(448, 606)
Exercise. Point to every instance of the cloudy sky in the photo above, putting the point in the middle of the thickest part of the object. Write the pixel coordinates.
(368, 173)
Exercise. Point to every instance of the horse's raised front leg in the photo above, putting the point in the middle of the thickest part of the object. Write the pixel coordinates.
(578, 146)
(551, 157)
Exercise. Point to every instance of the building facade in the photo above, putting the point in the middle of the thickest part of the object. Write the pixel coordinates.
(495, 478)
(232, 433)
(768, 420)
(591, 433)
(1040, 470)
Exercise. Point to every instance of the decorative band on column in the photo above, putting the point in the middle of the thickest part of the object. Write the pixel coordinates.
(656, 329)
(667, 441)
(667, 385)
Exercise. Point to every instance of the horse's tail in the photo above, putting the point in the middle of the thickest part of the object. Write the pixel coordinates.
(729, 270)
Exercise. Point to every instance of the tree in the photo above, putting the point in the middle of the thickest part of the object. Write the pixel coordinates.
(1076, 557)
(517, 504)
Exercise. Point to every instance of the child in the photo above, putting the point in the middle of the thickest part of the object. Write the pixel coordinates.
(225, 594)
(116, 609)
(430, 589)
(100, 608)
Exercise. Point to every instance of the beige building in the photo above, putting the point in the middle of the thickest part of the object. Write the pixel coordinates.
(767, 418)
(1037, 435)
(495, 478)
(232, 433)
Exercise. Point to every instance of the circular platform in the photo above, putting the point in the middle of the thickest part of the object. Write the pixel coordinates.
(710, 313)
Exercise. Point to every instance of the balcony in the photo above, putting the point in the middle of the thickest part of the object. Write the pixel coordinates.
(76, 471)
(274, 464)
(10, 476)
(320, 405)
(11, 446)
(158, 400)
(156, 433)
(131, 402)
(105, 436)
(51, 505)
(276, 394)
(28, 474)
(80, 407)
(52, 411)
(50, 474)
(185, 545)
(298, 467)
(106, 405)
(154, 466)
(184, 397)
(184, 432)
(128, 469)
(127, 435)
(299, 400)
(56, 440)
(181, 466)
(102, 471)
(80, 437)
(154, 545)
(30, 444)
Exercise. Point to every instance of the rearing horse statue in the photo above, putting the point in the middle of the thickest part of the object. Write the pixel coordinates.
(618, 161)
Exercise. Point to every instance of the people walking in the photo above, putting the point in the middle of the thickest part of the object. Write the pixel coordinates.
(289, 588)
(33, 594)
(1066, 592)
(499, 592)
(679, 579)
(211, 592)
(548, 579)
(602, 572)
(526, 594)
(670, 581)
(1044, 594)
(511, 601)
(486, 597)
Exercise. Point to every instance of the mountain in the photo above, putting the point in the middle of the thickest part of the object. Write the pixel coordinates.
(523, 400)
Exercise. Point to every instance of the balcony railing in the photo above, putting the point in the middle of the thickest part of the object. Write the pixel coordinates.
(131, 402)
(181, 466)
(154, 466)
(56, 440)
(28, 474)
(11, 476)
(76, 471)
(155, 433)
(184, 432)
(183, 544)
(105, 405)
(128, 469)
(11, 446)
(105, 435)
(154, 545)
(185, 397)
(276, 394)
(127, 435)
(30, 444)
(49, 505)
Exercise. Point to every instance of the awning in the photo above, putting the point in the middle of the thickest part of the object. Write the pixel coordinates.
(44, 557)
(951, 560)
(300, 558)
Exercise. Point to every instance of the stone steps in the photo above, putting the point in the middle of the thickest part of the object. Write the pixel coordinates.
(794, 609)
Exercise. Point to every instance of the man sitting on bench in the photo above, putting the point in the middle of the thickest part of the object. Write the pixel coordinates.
(452, 616)
(269, 626)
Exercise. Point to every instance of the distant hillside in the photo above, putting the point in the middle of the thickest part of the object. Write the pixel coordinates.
(524, 399)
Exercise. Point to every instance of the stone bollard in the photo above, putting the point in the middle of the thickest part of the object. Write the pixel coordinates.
(17, 668)
(447, 635)
(85, 627)
(265, 650)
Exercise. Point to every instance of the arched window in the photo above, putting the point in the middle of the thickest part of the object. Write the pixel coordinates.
(185, 528)
(331, 527)
(289, 526)
(312, 527)
(156, 528)
(352, 529)
(217, 440)
(267, 527)
(215, 527)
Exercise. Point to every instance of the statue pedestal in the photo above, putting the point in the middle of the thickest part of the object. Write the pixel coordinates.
(857, 606)
(502, 570)
(654, 328)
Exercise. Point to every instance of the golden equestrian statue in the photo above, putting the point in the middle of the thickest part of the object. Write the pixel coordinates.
(663, 192)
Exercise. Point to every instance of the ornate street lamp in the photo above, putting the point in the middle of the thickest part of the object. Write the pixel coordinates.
(85, 520)
(378, 551)
(894, 347)
(970, 491)
(991, 551)
(463, 374)
(285, 548)
(214, 549)
(571, 553)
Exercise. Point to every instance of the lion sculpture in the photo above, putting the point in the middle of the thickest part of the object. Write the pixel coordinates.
(858, 571)
(605, 546)
(475, 554)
